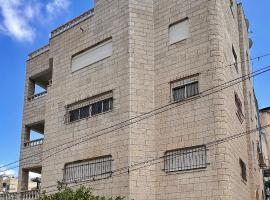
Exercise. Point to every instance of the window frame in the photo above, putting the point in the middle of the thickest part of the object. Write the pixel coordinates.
(186, 19)
(89, 162)
(200, 148)
(106, 97)
(232, 7)
(235, 59)
(239, 108)
(243, 170)
(194, 79)
(108, 42)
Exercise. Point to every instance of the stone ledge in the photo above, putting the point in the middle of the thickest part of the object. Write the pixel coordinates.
(72, 23)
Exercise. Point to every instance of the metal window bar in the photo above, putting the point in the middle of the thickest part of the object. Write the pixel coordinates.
(96, 169)
(98, 109)
(185, 159)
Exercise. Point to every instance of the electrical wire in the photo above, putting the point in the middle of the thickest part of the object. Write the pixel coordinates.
(147, 113)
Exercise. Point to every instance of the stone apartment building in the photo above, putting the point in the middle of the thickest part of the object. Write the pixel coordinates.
(8, 183)
(265, 121)
(155, 59)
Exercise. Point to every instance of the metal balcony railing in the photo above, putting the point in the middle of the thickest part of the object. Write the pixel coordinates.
(36, 96)
(33, 143)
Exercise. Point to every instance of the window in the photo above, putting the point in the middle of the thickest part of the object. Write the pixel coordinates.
(250, 106)
(232, 6)
(243, 170)
(92, 55)
(179, 31)
(235, 60)
(185, 88)
(97, 168)
(185, 159)
(239, 111)
(248, 65)
(89, 107)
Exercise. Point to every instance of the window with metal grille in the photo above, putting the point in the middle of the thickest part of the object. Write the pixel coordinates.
(243, 169)
(185, 88)
(89, 107)
(97, 168)
(239, 111)
(185, 159)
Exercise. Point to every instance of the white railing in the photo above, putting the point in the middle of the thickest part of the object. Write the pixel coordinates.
(31, 194)
(34, 143)
(9, 196)
(36, 96)
(26, 195)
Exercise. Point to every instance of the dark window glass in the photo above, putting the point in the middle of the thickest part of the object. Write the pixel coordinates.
(96, 108)
(235, 61)
(243, 170)
(192, 89)
(84, 112)
(179, 93)
(107, 104)
(74, 115)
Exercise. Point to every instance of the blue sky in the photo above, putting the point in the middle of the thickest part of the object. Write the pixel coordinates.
(25, 25)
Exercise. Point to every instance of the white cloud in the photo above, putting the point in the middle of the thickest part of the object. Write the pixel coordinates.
(7, 172)
(19, 17)
(56, 6)
(14, 22)
(33, 175)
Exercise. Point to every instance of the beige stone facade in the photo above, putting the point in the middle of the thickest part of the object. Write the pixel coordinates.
(139, 74)
(8, 184)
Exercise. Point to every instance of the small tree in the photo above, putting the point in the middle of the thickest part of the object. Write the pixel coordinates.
(68, 193)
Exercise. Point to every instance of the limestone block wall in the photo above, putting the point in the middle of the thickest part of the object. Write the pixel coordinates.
(139, 74)
(112, 74)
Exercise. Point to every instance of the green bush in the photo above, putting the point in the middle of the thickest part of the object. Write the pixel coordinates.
(68, 193)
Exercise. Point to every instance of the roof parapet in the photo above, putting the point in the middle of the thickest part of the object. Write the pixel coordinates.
(39, 51)
(72, 23)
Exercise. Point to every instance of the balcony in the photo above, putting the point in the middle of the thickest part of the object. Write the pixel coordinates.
(32, 144)
(25, 195)
(36, 96)
(39, 83)
(31, 194)
(9, 196)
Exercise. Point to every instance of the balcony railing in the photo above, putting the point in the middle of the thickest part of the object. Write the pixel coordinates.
(9, 196)
(31, 194)
(39, 51)
(36, 96)
(33, 143)
(26, 195)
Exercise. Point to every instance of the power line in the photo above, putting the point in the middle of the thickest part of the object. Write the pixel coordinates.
(255, 73)
(160, 159)
(147, 113)
(153, 114)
